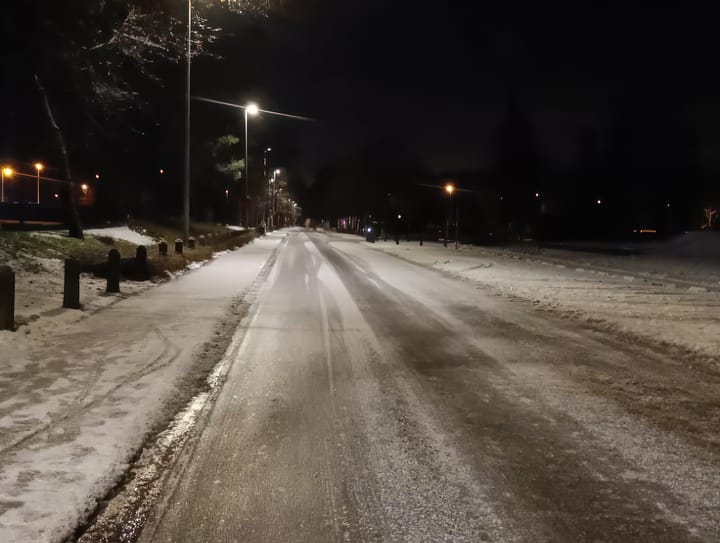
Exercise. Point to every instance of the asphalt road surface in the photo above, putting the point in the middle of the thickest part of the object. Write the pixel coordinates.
(376, 400)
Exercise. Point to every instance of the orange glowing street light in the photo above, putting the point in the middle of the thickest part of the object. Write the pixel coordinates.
(450, 189)
(6, 172)
(38, 167)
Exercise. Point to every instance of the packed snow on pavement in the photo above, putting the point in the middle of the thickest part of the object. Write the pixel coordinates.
(76, 403)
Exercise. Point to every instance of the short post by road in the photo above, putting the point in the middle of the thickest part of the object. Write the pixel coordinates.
(113, 275)
(7, 298)
(162, 248)
(141, 255)
(140, 264)
(191, 243)
(178, 246)
(71, 291)
(202, 240)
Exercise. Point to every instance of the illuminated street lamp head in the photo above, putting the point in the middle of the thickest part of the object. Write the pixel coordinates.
(252, 109)
(7, 172)
(39, 167)
(449, 188)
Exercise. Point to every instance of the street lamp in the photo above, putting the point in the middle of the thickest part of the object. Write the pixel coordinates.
(38, 167)
(6, 172)
(250, 109)
(273, 196)
(450, 189)
(186, 179)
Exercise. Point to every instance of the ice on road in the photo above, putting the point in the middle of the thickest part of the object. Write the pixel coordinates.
(372, 399)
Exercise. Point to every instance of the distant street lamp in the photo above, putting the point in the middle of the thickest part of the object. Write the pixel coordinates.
(250, 109)
(38, 167)
(450, 189)
(273, 196)
(266, 154)
(6, 172)
(267, 203)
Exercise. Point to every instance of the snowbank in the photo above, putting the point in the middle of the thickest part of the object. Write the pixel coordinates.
(121, 232)
(661, 296)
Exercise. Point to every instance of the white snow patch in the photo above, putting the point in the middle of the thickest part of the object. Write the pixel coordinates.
(121, 232)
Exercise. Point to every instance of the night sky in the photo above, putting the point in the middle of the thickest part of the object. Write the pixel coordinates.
(430, 87)
(432, 80)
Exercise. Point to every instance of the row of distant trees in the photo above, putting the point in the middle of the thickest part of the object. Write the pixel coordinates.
(634, 170)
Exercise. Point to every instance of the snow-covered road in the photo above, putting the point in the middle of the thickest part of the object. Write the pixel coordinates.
(371, 399)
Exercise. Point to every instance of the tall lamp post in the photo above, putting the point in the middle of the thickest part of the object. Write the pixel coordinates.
(250, 109)
(186, 181)
(6, 172)
(450, 189)
(273, 196)
(38, 167)
(266, 201)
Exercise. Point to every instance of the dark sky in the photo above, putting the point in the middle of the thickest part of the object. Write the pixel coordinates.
(418, 83)
(430, 81)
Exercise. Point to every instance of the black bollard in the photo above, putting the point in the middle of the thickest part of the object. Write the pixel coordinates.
(71, 292)
(178, 246)
(191, 242)
(113, 277)
(421, 242)
(7, 298)
(202, 240)
(141, 255)
(162, 248)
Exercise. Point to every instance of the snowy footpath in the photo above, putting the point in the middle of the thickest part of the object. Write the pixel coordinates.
(80, 391)
(668, 294)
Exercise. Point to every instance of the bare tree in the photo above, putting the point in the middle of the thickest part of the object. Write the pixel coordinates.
(95, 56)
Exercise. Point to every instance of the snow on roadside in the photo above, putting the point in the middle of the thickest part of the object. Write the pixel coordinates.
(39, 290)
(39, 295)
(651, 298)
(121, 232)
(77, 400)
